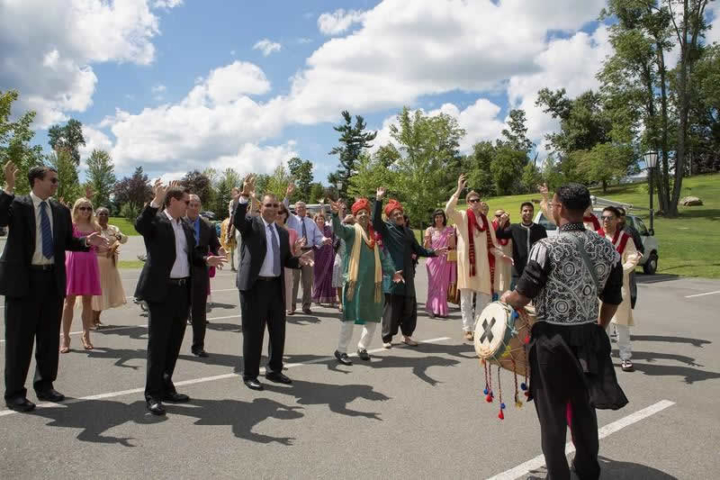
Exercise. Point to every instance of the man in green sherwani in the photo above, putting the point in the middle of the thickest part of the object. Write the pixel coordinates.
(363, 268)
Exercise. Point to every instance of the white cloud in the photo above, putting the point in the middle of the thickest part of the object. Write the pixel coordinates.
(230, 83)
(48, 47)
(267, 47)
(167, 4)
(339, 21)
(252, 158)
(95, 139)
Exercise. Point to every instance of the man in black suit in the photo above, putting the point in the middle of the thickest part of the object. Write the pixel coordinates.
(206, 241)
(32, 278)
(165, 284)
(261, 281)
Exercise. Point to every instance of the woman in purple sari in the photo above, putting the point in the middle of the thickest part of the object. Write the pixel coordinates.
(440, 271)
(323, 291)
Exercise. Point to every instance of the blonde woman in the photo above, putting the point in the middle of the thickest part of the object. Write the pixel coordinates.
(113, 293)
(83, 275)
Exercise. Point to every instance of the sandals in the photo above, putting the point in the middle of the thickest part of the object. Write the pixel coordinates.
(65, 344)
(85, 339)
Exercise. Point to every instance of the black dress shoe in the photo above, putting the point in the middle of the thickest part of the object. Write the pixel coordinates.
(200, 352)
(253, 384)
(278, 377)
(175, 397)
(307, 311)
(343, 358)
(20, 404)
(155, 407)
(50, 395)
(363, 354)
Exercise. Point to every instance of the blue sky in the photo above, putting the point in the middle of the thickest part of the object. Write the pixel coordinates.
(175, 85)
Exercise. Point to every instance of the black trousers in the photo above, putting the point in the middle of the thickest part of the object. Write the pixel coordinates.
(260, 306)
(633, 290)
(33, 318)
(167, 321)
(553, 427)
(399, 312)
(199, 314)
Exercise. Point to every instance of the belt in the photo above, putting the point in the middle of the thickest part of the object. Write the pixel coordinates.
(268, 279)
(42, 268)
(179, 282)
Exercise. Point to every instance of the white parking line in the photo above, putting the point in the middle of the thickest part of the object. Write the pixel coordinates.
(603, 432)
(5, 413)
(702, 294)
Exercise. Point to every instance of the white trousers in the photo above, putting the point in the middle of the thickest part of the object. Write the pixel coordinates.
(623, 340)
(346, 332)
(466, 307)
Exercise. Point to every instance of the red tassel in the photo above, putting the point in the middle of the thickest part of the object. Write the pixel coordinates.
(489, 398)
(527, 340)
(501, 415)
(527, 394)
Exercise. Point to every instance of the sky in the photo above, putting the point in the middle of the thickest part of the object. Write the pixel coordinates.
(179, 85)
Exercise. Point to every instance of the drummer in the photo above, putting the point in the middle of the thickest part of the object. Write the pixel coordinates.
(570, 365)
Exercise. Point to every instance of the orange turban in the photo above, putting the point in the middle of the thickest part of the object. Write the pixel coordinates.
(392, 206)
(360, 204)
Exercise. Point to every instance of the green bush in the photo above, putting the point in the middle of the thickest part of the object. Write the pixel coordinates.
(130, 211)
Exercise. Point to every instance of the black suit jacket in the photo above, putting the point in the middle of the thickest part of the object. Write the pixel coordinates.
(159, 238)
(207, 244)
(18, 213)
(254, 247)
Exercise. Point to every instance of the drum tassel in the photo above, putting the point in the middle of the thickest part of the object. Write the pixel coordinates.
(501, 415)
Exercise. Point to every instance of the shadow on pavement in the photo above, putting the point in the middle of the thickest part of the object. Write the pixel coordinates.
(614, 470)
(691, 375)
(696, 342)
(656, 278)
(336, 397)
(95, 417)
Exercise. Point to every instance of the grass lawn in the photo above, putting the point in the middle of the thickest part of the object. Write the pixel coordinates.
(125, 226)
(688, 245)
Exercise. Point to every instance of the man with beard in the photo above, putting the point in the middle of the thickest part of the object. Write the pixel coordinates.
(523, 236)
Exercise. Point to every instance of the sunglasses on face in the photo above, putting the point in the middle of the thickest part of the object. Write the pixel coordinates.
(85, 209)
(607, 218)
(474, 200)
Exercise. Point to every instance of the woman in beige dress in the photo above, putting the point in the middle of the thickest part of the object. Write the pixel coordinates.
(113, 293)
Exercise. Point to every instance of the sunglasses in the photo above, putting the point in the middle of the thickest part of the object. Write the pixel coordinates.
(607, 218)
(85, 209)
(474, 200)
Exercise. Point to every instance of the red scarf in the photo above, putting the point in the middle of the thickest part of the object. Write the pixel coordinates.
(472, 226)
(595, 223)
(620, 240)
(501, 241)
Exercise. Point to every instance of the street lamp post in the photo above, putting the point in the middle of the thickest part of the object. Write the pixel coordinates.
(650, 163)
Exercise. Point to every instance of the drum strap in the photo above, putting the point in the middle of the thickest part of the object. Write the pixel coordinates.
(580, 244)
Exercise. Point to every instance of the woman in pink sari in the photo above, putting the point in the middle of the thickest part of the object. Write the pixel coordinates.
(440, 271)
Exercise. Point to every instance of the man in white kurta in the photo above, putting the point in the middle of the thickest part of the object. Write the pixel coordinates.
(623, 318)
(475, 290)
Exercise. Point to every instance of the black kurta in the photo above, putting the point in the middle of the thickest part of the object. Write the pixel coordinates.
(523, 238)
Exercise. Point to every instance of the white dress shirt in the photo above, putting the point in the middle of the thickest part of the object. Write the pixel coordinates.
(314, 235)
(266, 270)
(38, 258)
(181, 267)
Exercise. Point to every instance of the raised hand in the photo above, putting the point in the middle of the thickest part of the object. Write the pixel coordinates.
(380, 194)
(543, 189)
(248, 186)
(10, 171)
(462, 182)
(505, 218)
(336, 207)
(398, 277)
(160, 191)
(290, 189)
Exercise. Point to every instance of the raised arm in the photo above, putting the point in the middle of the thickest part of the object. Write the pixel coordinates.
(451, 211)
(545, 203)
(145, 223)
(240, 221)
(377, 221)
(6, 195)
(343, 231)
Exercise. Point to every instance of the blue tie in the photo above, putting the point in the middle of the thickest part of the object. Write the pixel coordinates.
(47, 240)
(275, 251)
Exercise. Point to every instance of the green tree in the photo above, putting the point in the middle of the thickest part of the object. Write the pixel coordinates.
(69, 137)
(516, 134)
(101, 176)
(531, 177)
(277, 183)
(69, 188)
(605, 163)
(199, 184)
(371, 173)
(428, 147)
(477, 166)
(302, 174)
(131, 193)
(15, 137)
(354, 139)
(317, 191)
(506, 168)
(705, 113)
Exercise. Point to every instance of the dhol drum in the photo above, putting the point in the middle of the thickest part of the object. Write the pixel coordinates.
(501, 338)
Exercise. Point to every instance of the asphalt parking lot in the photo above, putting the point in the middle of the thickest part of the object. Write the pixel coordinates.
(408, 413)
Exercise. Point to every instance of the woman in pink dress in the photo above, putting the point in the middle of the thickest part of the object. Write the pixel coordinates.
(440, 271)
(83, 276)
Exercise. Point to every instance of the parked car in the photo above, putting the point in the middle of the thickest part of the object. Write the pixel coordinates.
(209, 215)
(649, 261)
